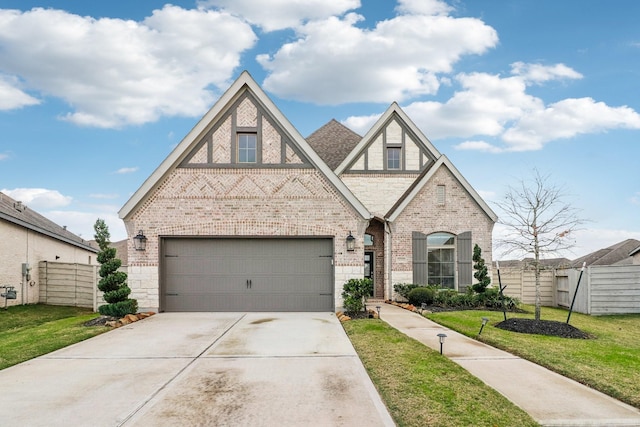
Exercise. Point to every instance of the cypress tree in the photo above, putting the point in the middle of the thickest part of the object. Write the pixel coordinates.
(112, 282)
(481, 272)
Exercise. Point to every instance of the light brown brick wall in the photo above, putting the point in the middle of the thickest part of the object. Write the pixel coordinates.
(460, 213)
(242, 202)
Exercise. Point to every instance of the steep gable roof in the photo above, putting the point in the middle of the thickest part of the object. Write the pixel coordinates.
(245, 83)
(426, 175)
(333, 142)
(19, 214)
(393, 112)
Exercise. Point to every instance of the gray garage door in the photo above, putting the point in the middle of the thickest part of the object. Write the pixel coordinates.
(247, 274)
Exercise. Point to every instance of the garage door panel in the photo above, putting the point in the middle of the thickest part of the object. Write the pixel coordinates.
(247, 274)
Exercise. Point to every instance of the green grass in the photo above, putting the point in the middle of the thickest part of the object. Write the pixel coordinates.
(421, 387)
(29, 331)
(610, 362)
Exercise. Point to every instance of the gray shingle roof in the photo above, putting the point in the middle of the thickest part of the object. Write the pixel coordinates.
(333, 142)
(614, 254)
(19, 214)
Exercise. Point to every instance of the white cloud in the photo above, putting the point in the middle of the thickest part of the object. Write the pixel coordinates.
(538, 73)
(478, 146)
(424, 7)
(566, 119)
(361, 124)
(334, 61)
(11, 97)
(116, 72)
(499, 107)
(3, 156)
(273, 15)
(38, 198)
(123, 171)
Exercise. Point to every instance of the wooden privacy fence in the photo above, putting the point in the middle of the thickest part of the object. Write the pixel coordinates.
(606, 289)
(69, 284)
(521, 284)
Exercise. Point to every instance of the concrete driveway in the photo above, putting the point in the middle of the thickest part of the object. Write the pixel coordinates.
(199, 369)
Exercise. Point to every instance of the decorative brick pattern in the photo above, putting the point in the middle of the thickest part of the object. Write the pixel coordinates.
(240, 202)
(200, 156)
(271, 144)
(292, 157)
(247, 114)
(221, 150)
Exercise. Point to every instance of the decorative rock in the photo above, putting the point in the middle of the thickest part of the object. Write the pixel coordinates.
(131, 318)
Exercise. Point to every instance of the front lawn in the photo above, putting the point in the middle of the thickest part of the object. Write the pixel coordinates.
(609, 362)
(423, 388)
(28, 331)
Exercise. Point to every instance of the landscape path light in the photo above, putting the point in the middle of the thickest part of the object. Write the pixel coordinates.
(378, 309)
(484, 322)
(441, 337)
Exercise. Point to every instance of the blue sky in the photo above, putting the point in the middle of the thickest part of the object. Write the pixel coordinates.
(94, 95)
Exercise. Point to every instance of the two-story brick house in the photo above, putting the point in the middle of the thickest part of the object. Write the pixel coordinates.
(247, 215)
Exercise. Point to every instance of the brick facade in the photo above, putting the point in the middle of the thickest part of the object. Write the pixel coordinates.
(202, 190)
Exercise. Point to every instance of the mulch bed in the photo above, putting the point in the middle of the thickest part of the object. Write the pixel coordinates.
(542, 327)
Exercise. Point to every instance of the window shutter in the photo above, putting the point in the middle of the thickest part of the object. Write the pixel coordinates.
(465, 261)
(419, 243)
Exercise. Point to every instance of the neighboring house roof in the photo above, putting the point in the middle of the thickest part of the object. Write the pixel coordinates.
(620, 253)
(333, 142)
(122, 251)
(424, 177)
(244, 82)
(635, 251)
(19, 214)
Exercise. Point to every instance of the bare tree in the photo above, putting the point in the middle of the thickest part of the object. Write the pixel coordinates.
(537, 221)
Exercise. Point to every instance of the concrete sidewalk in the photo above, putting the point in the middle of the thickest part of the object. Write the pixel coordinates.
(551, 399)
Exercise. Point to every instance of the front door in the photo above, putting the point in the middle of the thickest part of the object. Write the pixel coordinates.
(368, 266)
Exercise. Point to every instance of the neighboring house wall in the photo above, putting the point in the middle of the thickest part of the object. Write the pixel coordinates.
(423, 214)
(20, 245)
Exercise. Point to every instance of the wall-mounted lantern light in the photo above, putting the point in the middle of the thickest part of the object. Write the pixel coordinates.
(140, 241)
(351, 242)
(441, 337)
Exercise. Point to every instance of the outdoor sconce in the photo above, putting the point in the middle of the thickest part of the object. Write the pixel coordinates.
(484, 322)
(378, 309)
(441, 337)
(140, 241)
(351, 242)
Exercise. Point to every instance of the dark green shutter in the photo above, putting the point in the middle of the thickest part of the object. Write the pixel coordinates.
(419, 243)
(465, 261)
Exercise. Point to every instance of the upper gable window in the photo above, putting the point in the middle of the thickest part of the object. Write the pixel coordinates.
(393, 158)
(247, 147)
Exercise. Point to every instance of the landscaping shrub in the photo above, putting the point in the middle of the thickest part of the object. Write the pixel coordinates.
(481, 273)
(354, 292)
(421, 295)
(403, 289)
(112, 282)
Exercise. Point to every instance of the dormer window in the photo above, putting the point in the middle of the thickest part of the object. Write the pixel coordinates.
(247, 147)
